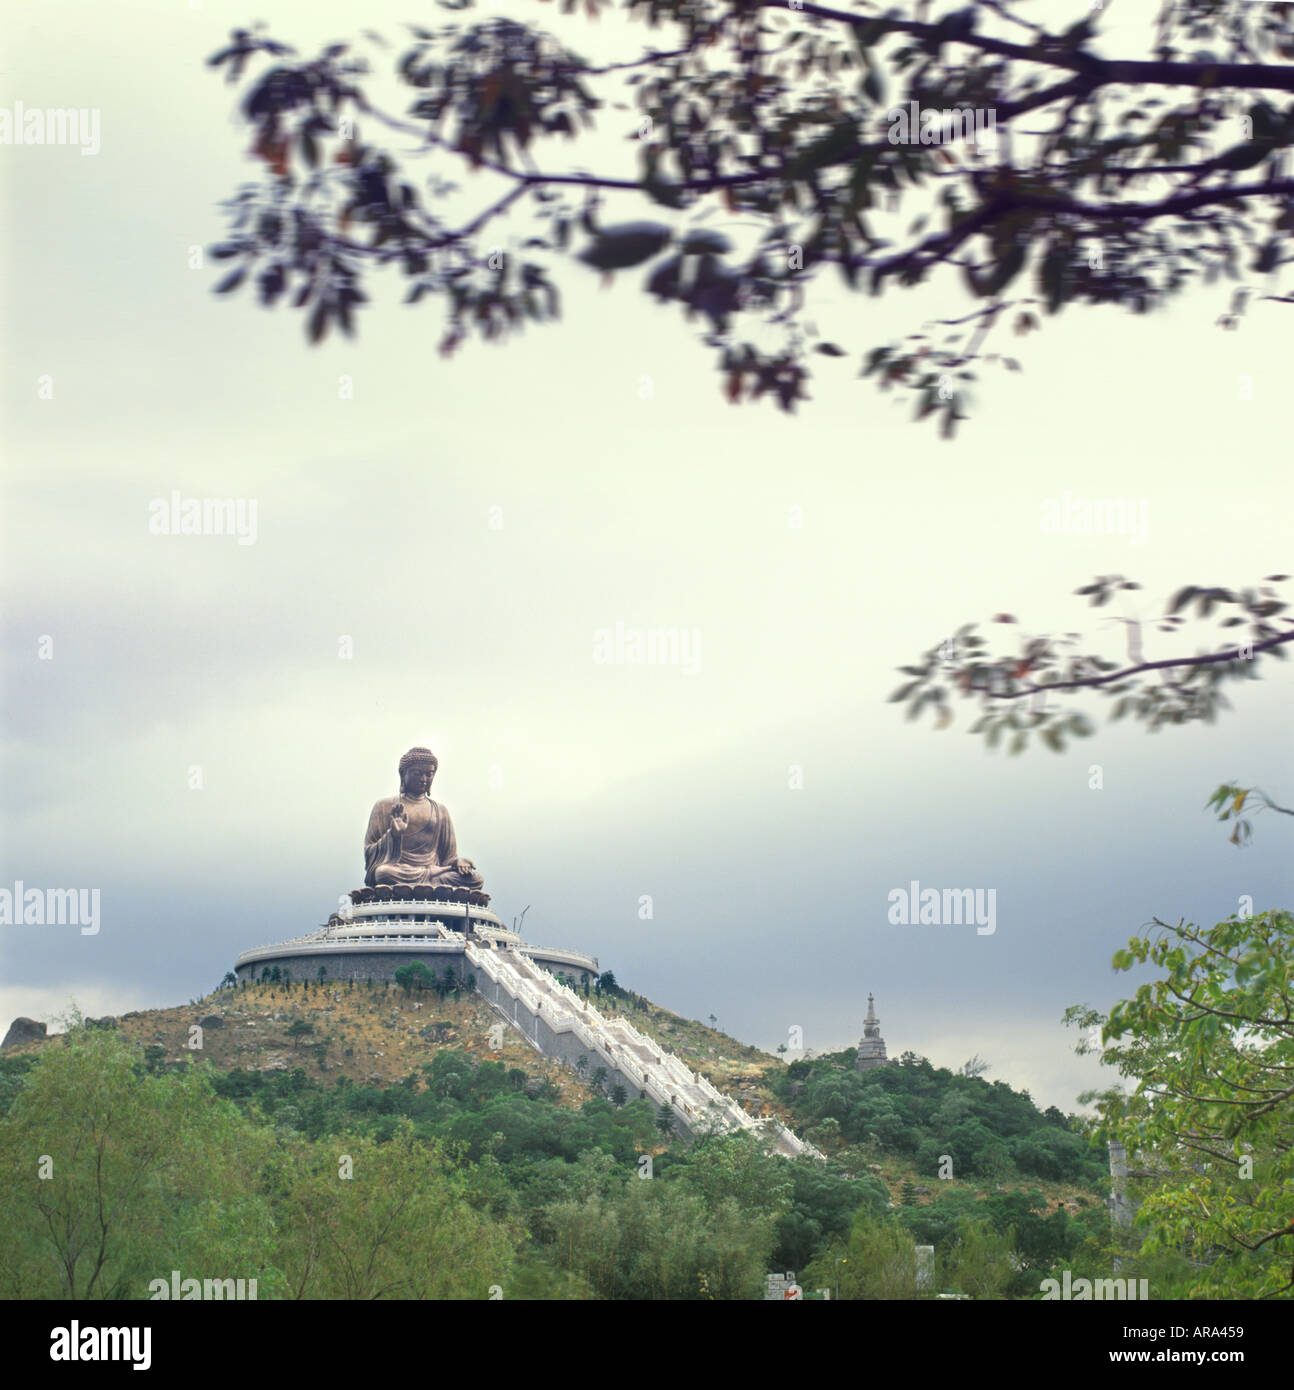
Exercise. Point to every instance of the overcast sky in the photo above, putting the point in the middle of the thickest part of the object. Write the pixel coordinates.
(629, 492)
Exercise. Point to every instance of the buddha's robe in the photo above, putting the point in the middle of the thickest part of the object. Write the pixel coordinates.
(426, 854)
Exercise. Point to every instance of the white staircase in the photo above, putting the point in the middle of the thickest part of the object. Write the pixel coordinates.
(664, 1077)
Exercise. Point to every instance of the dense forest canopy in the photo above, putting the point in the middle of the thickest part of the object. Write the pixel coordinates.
(984, 1128)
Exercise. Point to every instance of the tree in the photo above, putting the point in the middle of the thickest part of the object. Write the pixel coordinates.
(665, 1121)
(660, 1240)
(822, 1205)
(400, 1227)
(534, 1279)
(413, 976)
(826, 1135)
(299, 1028)
(1014, 166)
(144, 1174)
(981, 1263)
(449, 1074)
(619, 1096)
(1054, 1154)
(1209, 1125)
(878, 1260)
(1046, 671)
(1038, 1233)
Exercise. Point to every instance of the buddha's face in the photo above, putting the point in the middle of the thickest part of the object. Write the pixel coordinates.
(416, 781)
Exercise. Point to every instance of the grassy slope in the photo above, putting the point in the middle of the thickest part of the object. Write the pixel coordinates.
(374, 1037)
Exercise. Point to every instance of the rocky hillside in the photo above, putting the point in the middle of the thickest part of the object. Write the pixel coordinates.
(378, 1036)
(372, 1035)
(737, 1068)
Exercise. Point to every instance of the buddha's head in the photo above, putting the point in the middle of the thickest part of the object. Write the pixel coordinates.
(417, 768)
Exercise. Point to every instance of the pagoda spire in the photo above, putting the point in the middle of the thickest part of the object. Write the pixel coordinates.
(871, 1050)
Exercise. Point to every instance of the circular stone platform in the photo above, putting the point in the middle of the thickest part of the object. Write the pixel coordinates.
(371, 940)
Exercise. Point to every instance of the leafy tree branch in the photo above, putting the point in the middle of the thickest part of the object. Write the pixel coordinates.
(1047, 669)
(786, 143)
